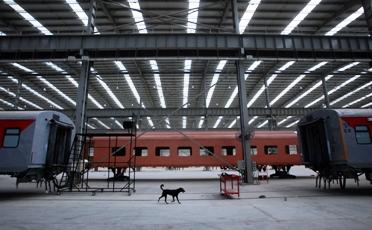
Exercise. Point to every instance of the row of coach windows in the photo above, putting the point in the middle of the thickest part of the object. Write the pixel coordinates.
(181, 151)
(273, 149)
(204, 151)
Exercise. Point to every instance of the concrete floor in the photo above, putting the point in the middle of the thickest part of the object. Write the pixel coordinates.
(289, 204)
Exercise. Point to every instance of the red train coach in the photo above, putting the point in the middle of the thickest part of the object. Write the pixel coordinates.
(196, 148)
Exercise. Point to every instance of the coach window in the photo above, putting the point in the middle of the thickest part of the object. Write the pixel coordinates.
(253, 150)
(140, 151)
(271, 149)
(206, 151)
(291, 149)
(228, 151)
(362, 134)
(162, 151)
(11, 138)
(184, 151)
(118, 151)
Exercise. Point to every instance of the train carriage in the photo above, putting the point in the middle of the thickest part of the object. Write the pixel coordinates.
(32, 142)
(196, 148)
(337, 142)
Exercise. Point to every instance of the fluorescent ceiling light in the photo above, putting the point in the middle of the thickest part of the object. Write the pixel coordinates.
(214, 81)
(2, 34)
(192, 16)
(317, 66)
(10, 104)
(28, 17)
(167, 123)
(300, 16)
(248, 14)
(90, 126)
(345, 22)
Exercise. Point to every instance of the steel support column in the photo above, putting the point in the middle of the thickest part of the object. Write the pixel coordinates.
(82, 93)
(18, 93)
(367, 5)
(242, 93)
(325, 92)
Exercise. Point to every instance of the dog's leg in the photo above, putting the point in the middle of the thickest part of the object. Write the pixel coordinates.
(166, 198)
(178, 200)
(173, 199)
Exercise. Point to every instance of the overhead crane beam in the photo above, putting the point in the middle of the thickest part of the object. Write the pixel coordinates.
(156, 112)
(181, 46)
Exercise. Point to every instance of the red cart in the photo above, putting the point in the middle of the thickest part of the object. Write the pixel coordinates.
(229, 184)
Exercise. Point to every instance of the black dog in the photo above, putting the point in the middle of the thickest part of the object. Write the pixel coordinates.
(171, 192)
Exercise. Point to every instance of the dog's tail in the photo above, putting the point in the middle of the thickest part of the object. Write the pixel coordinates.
(161, 187)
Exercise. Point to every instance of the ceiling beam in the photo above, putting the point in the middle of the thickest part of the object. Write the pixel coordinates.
(156, 112)
(181, 46)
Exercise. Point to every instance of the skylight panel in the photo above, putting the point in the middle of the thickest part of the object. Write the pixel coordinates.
(20, 98)
(90, 126)
(35, 93)
(357, 100)
(192, 16)
(297, 80)
(232, 123)
(27, 17)
(73, 81)
(319, 83)
(351, 93)
(75, 6)
(137, 16)
(235, 92)
(50, 85)
(367, 105)
(9, 104)
(128, 79)
(218, 122)
(263, 124)
(109, 92)
(252, 120)
(345, 22)
(289, 87)
(214, 81)
(300, 16)
(284, 120)
(101, 123)
(333, 90)
(292, 124)
(201, 122)
(248, 14)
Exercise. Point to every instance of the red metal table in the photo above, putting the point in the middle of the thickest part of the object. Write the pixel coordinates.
(229, 184)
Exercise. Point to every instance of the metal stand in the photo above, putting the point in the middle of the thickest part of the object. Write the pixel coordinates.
(77, 177)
